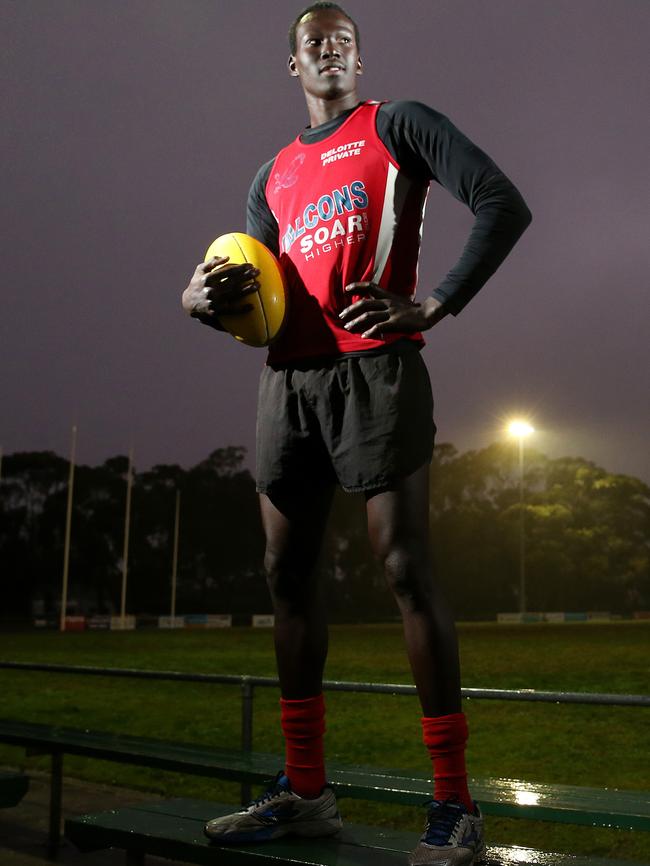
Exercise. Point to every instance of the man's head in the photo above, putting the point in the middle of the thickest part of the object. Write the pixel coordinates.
(324, 44)
(315, 7)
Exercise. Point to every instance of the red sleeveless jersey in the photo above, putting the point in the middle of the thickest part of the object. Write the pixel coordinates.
(345, 213)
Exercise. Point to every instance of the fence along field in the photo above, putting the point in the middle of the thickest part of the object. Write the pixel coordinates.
(581, 745)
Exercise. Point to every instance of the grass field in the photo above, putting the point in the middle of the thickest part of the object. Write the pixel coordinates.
(583, 745)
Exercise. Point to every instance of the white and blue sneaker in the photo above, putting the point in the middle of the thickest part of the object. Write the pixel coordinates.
(278, 812)
(453, 836)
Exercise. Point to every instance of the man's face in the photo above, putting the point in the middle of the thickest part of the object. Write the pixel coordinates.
(327, 57)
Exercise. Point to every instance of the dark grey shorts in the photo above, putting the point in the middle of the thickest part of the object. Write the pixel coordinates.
(361, 421)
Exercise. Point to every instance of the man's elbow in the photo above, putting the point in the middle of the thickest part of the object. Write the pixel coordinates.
(519, 208)
(506, 203)
(519, 214)
(526, 216)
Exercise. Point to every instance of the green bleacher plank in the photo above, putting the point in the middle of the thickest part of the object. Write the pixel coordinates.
(13, 787)
(628, 810)
(165, 834)
(174, 829)
(227, 764)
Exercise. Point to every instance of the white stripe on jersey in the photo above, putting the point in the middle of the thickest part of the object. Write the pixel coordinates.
(389, 220)
(403, 212)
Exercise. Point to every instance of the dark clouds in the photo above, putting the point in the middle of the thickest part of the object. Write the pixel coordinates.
(135, 128)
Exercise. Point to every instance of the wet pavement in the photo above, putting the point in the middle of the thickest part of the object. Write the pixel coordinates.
(24, 829)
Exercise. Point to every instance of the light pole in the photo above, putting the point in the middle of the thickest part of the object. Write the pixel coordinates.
(175, 557)
(127, 528)
(68, 525)
(519, 429)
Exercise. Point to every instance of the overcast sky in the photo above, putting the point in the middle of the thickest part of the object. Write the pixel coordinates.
(133, 129)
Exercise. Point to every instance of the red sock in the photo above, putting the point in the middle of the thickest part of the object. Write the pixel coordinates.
(445, 738)
(303, 726)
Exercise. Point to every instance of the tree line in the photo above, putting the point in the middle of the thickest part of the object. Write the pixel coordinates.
(587, 537)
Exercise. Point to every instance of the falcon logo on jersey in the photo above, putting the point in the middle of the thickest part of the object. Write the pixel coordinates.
(351, 198)
(290, 176)
(343, 151)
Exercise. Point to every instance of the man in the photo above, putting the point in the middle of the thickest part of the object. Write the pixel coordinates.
(345, 398)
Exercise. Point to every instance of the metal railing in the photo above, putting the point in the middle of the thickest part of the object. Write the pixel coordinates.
(248, 684)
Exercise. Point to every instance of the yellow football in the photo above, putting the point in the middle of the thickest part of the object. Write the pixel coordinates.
(261, 325)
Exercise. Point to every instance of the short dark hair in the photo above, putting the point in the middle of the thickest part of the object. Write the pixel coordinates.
(317, 7)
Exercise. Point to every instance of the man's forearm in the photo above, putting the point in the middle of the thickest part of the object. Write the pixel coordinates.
(500, 220)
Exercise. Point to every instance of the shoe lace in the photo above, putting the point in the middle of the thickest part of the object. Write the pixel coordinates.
(441, 820)
(277, 788)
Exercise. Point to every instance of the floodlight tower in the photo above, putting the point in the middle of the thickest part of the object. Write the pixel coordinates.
(519, 429)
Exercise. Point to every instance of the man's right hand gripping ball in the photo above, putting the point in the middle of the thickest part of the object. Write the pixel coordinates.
(218, 289)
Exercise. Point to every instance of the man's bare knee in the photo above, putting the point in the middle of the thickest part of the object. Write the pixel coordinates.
(290, 577)
(408, 574)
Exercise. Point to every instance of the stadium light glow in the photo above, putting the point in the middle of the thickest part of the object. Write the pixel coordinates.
(519, 427)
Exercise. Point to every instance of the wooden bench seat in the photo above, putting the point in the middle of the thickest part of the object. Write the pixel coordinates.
(174, 829)
(13, 787)
(629, 810)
